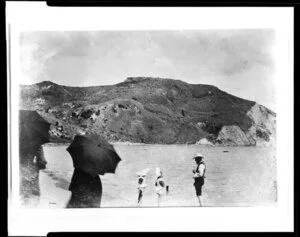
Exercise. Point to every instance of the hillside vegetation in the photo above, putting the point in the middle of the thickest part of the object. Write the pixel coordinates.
(151, 110)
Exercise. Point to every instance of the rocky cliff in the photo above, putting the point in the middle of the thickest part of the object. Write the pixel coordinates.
(151, 110)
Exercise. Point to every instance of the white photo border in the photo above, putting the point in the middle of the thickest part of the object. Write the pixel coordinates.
(34, 16)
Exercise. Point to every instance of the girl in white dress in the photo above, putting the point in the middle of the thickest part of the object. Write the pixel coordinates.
(141, 184)
(161, 187)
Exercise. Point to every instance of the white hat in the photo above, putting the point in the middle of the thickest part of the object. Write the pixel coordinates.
(198, 155)
(158, 171)
(143, 172)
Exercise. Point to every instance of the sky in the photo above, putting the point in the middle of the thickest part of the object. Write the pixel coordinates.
(239, 62)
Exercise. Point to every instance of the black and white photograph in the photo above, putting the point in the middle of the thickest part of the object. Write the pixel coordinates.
(147, 118)
(166, 118)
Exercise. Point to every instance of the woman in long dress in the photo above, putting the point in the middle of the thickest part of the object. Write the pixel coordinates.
(31, 162)
(86, 190)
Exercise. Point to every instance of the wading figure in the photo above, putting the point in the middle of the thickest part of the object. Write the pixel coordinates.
(141, 184)
(198, 176)
(160, 186)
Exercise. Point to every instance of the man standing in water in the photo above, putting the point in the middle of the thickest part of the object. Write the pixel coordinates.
(199, 173)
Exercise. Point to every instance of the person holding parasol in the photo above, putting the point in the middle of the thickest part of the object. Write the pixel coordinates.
(92, 156)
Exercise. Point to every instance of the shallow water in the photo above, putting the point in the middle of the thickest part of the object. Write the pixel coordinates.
(243, 176)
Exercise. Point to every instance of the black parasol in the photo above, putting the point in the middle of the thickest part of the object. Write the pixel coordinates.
(33, 130)
(93, 154)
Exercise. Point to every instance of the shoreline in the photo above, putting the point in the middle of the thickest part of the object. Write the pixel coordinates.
(158, 144)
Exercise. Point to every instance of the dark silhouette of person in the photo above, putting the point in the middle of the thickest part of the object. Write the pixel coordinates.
(86, 190)
(140, 181)
(32, 160)
(199, 176)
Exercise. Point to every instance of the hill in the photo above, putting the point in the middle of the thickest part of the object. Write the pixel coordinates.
(151, 110)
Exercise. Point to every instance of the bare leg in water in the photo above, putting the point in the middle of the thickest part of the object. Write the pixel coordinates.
(200, 199)
(158, 200)
(140, 197)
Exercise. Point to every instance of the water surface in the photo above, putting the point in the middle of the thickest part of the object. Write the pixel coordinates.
(241, 176)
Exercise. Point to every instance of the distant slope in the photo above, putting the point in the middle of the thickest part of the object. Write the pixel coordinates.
(150, 110)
